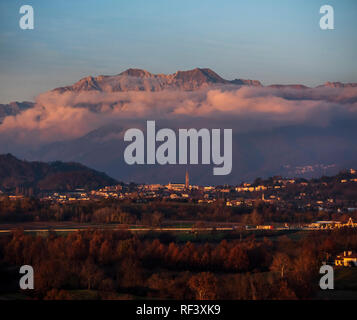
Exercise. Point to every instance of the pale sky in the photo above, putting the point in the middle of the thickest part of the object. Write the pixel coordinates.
(272, 41)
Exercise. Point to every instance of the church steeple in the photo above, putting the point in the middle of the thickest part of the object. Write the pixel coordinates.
(187, 180)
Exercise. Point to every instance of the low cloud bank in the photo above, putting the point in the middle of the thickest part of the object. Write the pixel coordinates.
(62, 116)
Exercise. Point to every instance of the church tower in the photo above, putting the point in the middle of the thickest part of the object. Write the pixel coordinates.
(187, 180)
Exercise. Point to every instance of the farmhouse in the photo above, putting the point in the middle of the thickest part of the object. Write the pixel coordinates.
(346, 259)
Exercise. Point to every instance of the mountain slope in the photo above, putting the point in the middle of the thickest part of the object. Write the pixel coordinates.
(54, 176)
(14, 108)
(282, 151)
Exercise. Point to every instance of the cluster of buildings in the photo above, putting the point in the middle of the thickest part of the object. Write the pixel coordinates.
(323, 225)
(77, 195)
(277, 184)
(298, 194)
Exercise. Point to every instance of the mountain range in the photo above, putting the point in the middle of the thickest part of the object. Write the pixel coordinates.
(291, 130)
(142, 80)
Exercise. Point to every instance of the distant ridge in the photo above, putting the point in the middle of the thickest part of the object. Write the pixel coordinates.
(289, 86)
(338, 85)
(14, 108)
(142, 80)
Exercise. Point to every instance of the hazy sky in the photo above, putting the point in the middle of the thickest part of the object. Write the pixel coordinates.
(273, 41)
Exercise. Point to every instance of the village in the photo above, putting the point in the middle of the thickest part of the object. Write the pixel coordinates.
(298, 194)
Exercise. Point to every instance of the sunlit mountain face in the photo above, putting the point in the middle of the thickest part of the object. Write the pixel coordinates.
(277, 129)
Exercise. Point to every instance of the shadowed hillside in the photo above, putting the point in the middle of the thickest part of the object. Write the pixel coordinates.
(54, 176)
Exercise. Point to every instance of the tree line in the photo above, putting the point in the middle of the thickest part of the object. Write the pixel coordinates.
(153, 213)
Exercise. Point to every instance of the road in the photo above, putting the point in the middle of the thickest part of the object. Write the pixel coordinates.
(68, 226)
(118, 229)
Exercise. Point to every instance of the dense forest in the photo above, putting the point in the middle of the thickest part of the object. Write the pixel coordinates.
(119, 264)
